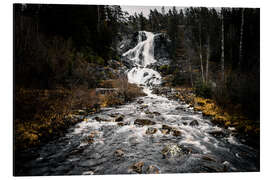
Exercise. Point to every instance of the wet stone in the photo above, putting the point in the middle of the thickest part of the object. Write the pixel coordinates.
(164, 131)
(145, 74)
(173, 150)
(194, 123)
(156, 113)
(119, 153)
(144, 122)
(119, 118)
(176, 132)
(140, 101)
(166, 127)
(144, 106)
(100, 119)
(153, 170)
(123, 123)
(151, 130)
(137, 167)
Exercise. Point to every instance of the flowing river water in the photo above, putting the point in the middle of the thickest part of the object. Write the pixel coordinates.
(178, 139)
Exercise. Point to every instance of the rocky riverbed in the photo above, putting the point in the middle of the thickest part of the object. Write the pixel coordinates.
(151, 135)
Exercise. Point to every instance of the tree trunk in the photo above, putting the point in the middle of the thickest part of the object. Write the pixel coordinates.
(207, 58)
(201, 52)
(222, 46)
(190, 71)
(241, 39)
(98, 18)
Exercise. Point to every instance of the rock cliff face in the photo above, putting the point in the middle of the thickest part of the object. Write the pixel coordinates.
(129, 41)
(162, 47)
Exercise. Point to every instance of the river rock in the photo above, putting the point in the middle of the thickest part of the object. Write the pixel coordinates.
(176, 132)
(153, 170)
(173, 150)
(156, 113)
(164, 131)
(119, 118)
(194, 123)
(144, 106)
(123, 123)
(145, 74)
(99, 119)
(119, 153)
(166, 127)
(151, 130)
(137, 167)
(144, 122)
(140, 101)
(170, 150)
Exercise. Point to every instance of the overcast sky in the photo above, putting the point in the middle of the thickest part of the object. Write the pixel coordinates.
(145, 9)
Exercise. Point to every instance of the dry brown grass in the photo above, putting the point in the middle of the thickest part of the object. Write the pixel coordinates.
(40, 114)
(125, 92)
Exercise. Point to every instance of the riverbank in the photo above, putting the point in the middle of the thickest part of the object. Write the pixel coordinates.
(42, 115)
(225, 117)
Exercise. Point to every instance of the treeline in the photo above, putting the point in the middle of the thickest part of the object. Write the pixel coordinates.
(55, 42)
(215, 50)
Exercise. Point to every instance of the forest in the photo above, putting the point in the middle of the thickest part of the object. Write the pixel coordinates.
(66, 55)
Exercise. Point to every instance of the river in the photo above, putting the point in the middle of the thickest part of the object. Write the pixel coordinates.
(177, 139)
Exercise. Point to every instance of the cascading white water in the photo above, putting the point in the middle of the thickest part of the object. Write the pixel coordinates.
(142, 55)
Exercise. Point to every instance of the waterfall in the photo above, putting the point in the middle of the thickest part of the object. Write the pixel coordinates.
(142, 55)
